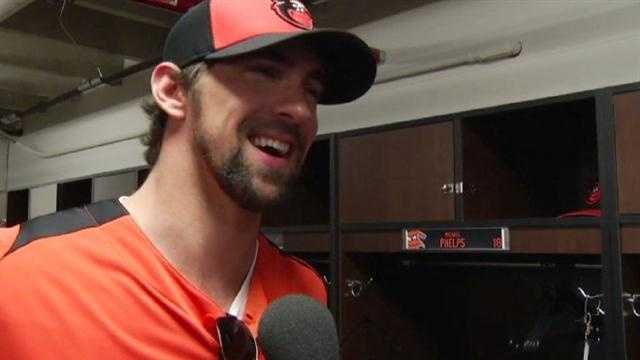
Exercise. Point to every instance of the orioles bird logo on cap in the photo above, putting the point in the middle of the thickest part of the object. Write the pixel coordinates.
(294, 12)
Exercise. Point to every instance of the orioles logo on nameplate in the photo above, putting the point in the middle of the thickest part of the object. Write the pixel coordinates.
(294, 12)
(414, 239)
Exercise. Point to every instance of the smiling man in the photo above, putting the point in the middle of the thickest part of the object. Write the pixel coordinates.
(179, 269)
(263, 124)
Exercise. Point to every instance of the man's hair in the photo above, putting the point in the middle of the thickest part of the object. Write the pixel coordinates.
(158, 118)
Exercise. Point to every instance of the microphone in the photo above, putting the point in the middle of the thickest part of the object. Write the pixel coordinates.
(298, 327)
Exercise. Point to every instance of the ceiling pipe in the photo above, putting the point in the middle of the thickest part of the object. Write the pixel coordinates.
(34, 81)
(16, 100)
(399, 64)
(12, 123)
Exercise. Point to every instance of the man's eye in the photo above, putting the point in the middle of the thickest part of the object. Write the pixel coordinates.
(315, 92)
(269, 71)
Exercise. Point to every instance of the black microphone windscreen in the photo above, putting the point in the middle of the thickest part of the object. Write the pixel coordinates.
(298, 327)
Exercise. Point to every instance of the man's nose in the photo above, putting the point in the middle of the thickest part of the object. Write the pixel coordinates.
(295, 104)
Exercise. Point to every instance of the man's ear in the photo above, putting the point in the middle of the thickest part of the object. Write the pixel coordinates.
(168, 91)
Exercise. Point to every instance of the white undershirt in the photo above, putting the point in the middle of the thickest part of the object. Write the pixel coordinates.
(239, 303)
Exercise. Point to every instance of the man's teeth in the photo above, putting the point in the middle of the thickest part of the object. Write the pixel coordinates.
(279, 146)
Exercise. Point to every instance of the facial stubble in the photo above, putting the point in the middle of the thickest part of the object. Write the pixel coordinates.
(234, 174)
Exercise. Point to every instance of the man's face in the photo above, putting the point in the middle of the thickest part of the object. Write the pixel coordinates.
(254, 119)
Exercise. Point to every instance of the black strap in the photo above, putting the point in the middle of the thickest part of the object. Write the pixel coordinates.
(67, 221)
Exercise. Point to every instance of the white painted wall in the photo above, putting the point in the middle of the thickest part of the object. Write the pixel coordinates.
(43, 200)
(568, 46)
(114, 186)
(27, 170)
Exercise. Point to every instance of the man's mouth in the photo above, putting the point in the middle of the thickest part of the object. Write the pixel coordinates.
(271, 146)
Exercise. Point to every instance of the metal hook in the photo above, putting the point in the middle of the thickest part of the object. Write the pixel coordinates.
(632, 299)
(587, 298)
(356, 287)
(633, 304)
(599, 308)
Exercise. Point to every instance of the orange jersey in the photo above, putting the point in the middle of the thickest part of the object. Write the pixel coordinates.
(87, 283)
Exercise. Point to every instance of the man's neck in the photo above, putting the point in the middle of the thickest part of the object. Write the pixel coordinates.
(204, 233)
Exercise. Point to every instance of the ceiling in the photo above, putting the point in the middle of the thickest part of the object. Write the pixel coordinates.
(51, 47)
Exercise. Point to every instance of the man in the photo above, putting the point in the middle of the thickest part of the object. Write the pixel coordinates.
(158, 274)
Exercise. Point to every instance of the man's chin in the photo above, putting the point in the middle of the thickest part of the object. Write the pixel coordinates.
(270, 194)
(259, 202)
(253, 188)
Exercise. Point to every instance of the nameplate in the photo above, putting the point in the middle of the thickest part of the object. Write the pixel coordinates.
(465, 239)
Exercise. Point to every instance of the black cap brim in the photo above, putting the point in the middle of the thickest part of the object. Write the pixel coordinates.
(350, 63)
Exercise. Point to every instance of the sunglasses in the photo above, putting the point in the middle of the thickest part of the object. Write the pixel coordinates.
(236, 340)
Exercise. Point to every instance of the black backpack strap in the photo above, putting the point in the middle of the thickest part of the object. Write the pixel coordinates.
(67, 221)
